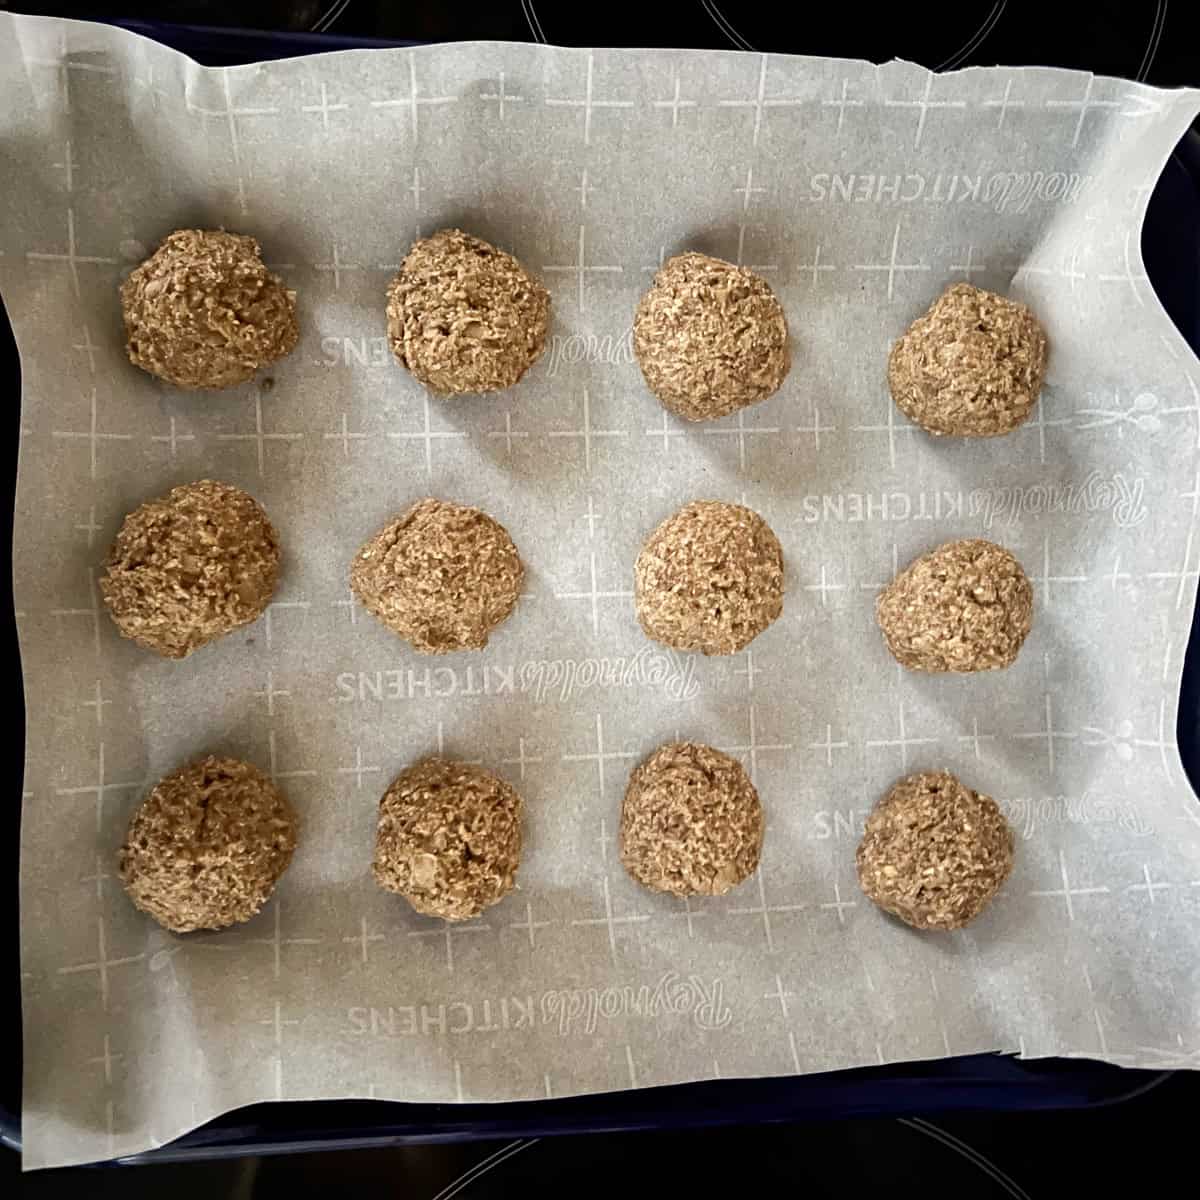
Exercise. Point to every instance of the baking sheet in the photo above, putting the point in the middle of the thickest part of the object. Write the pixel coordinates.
(859, 192)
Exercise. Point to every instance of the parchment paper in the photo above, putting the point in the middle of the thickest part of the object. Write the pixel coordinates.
(860, 192)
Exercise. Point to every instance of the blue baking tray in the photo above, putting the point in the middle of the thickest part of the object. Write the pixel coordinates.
(982, 1082)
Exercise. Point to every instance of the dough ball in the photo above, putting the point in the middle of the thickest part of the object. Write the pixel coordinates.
(203, 311)
(206, 848)
(972, 366)
(190, 566)
(465, 317)
(709, 578)
(441, 575)
(691, 823)
(966, 606)
(710, 337)
(449, 838)
(934, 852)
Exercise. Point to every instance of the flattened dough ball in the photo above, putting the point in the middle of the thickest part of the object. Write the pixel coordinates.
(710, 337)
(190, 566)
(449, 838)
(972, 366)
(464, 317)
(934, 852)
(709, 578)
(966, 606)
(203, 311)
(441, 575)
(691, 823)
(207, 846)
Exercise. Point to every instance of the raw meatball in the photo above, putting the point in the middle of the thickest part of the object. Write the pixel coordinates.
(934, 853)
(710, 337)
(709, 578)
(691, 823)
(442, 576)
(203, 311)
(206, 848)
(190, 566)
(449, 838)
(972, 366)
(465, 317)
(966, 606)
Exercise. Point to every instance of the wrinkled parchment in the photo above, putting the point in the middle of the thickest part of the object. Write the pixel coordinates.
(859, 192)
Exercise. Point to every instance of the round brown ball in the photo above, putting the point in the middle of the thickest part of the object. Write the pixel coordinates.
(966, 606)
(449, 838)
(934, 852)
(710, 337)
(190, 566)
(464, 317)
(691, 823)
(441, 575)
(709, 578)
(207, 846)
(203, 311)
(972, 366)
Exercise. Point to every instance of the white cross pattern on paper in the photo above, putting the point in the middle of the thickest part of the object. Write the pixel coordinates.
(92, 611)
(102, 964)
(107, 1058)
(277, 942)
(1067, 892)
(358, 770)
(689, 915)
(816, 428)
(824, 587)
(753, 747)
(97, 702)
(414, 99)
(970, 267)
(1148, 885)
(279, 605)
(277, 1024)
(1083, 105)
(72, 257)
(100, 877)
(594, 595)
(530, 925)
(749, 670)
(815, 267)
(580, 268)
(173, 438)
(1045, 580)
(270, 692)
(350, 604)
(1004, 103)
(761, 101)
(501, 95)
(428, 435)
(675, 103)
(522, 759)
(587, 433)
(892, 266)
(276, 774)
(258, 436)
(765, 910)
(345, 436)
(324, 108)
(903, 740)
(975, 738)
(600, 756)
(363, 939)
(508, 433)
(842, 103)
(448, 931)
(838, 904)
(666, 432)
(92, 435)
(87, 346)
(336, 267)
(1128, 275)
(101, 787)
(740, 431)
(924, 104)
(780, 995)
(611, 922)
(829, 745)
(231, 115)
(891, 427)
(589, 101)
